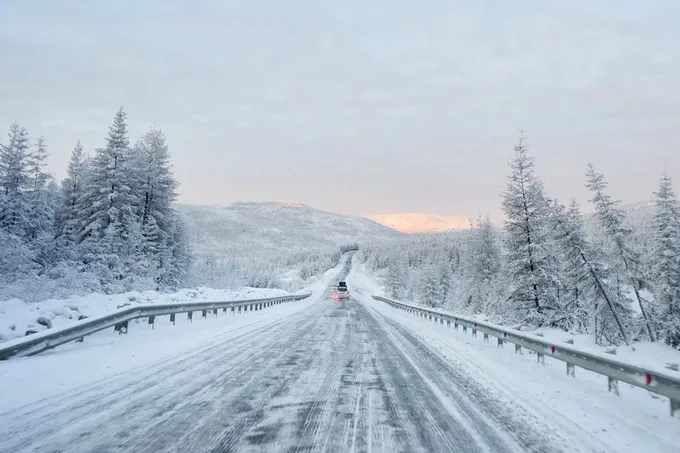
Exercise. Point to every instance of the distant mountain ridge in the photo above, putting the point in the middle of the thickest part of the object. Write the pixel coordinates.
(421, 223)
(261, 227)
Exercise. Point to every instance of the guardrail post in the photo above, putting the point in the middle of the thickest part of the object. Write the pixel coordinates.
(675, 408)
(540, 358)
(215, 311)
(571, 369)
(172, 318)
(518, 349)
(233, 310)
(486, 337)
(121, 328)
(455, 325)
(448, 323)
(152, 319)
(204, 313)
(224, 310)
(464, 329)
(501, 343)
(613, 385)
(190, 316)
(474, 332)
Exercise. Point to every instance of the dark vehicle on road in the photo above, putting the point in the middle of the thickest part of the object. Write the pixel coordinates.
(341, 293)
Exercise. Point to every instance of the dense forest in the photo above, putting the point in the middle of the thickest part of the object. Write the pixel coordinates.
(549, 265)
(108, 227)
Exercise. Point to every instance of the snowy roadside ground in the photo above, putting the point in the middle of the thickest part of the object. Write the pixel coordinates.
(18, 317)
(105, 355)
(582, 407)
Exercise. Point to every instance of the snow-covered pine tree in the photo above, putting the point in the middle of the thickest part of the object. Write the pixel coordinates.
(394, 283)
(176, 256)
(156, 187)
(610, 216)
(107, 208)
(15, 209)
(72, 189)
(431, 293)
(16, 257)
(531, 262)
(666, 268)
(486, 265)
(446, 280)
(588, 304)
(42, 199)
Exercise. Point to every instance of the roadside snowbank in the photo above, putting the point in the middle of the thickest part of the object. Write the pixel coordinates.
(18, 318)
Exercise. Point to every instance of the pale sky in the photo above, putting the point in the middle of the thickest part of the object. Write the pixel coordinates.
(358, 107)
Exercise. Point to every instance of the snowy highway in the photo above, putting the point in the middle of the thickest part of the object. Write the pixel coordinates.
(314, 375)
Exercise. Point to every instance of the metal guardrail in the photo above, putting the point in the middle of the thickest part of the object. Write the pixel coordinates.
(615, 370)
(51, 338)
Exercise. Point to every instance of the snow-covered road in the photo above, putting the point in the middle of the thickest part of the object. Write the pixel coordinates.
(314, 375)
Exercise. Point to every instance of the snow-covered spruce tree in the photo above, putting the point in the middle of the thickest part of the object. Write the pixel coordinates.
(72, 189)
(485, 267)
(530, 260)
(610, 216)
(666, 268)
(176, 256)
(42, 199)
(446, 279)
(587, 302)
(107, 208)
(17, 259)
(394, 281)
(156, 186)
(430, 291)
(15, 209)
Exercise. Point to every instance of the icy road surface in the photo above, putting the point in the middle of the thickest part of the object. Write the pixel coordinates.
(310, 376)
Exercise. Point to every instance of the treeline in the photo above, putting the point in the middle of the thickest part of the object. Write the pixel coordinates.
(108, 227)
(551, 266)
(289, 269)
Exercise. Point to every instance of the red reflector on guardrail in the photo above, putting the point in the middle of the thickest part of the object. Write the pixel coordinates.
(552, 348)
(648, 378)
